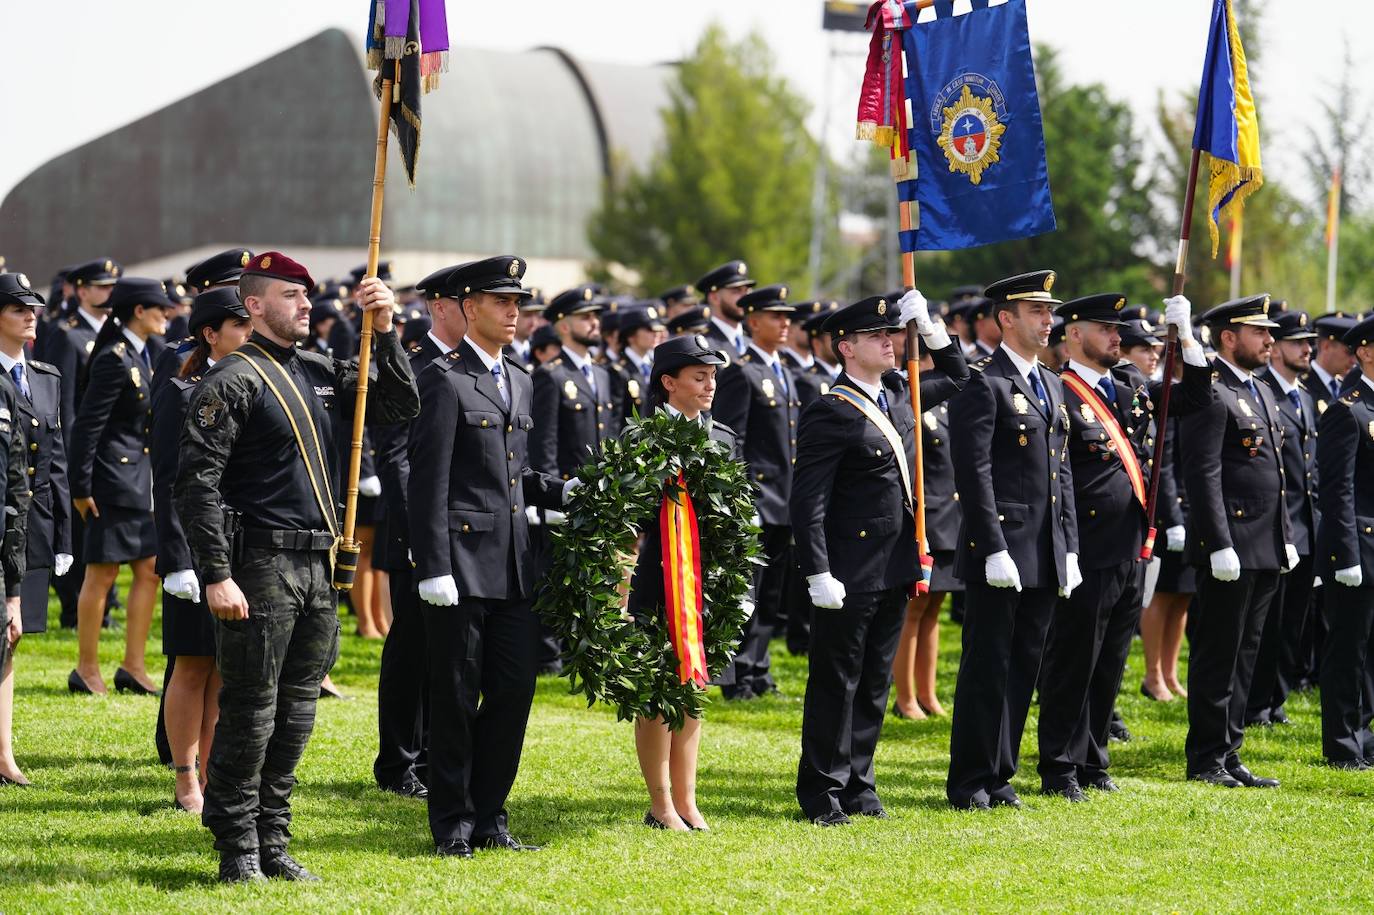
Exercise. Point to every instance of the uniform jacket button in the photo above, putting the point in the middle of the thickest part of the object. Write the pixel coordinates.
(467, 528)
(1001, 517)
(485, 424)
(512, 481)
(510, 455)
(510, 428)
(514, 509)
(863, 534)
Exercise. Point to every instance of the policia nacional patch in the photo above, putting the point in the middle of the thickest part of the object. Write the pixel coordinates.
(210, 413)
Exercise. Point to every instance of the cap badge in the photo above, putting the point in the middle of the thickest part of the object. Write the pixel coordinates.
(1049, 281)
(1120, 304)
(266, 262)
(244, 259)
(22, 280)
(1019, 403)
(586, 295)
(743, 269)
(109, 266)
(882, 307)
(783, 293)
(514, 267)
(653, 313)
(1302, 319)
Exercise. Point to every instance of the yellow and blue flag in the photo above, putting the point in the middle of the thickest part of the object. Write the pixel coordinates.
(1227, 125)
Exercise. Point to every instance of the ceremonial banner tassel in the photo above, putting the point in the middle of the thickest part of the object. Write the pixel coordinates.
(1227, 132)
(681, 540)
(407, 43)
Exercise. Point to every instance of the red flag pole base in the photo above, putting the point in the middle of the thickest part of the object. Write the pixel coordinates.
(1148, 549)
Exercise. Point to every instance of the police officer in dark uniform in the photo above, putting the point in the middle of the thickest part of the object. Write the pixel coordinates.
(799, 355)
(1018, 550)
(757, 397)
(1279, 664)
(402, 763)
(217, 270)
(852, 507)
(67, 347)
(641, 329)
(1111, 443)
(470, 480)
(1345, 561)
(678, 300)
(690, 321)
(37, 396)
(1239, 537)
(724, 287)
(254, 440)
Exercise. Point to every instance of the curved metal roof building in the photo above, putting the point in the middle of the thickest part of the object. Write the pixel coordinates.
(514, 150)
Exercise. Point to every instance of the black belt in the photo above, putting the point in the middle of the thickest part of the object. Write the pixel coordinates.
(266, 539)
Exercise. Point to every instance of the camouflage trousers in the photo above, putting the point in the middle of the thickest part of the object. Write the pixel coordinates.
(271, 664)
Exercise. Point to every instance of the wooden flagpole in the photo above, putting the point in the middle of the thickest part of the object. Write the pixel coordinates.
(346, 564)
(1170, 354)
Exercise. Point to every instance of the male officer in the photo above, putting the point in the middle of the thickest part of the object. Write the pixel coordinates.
(1111, 443)
(677, 300)
(222, 269)
(1019, 544)
(757, 397)
(67, 348)
(724, 287)
(987, 330)
(252, 441)
(1345, 560)
(1279, 665)
(470, 480)
(37, 397)
(1332, 361)
(1238, 537)
(799, 354)
(402, 763)
(853, 512)
(531, 319)
(690, 321)
(641, 329)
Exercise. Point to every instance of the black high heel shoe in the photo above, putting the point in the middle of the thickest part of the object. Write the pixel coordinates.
(126, 683)
(77, 685)
(652, 822)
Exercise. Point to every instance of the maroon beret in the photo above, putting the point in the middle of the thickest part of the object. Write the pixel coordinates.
(279, 267)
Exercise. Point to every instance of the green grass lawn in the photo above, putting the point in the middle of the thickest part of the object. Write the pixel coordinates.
(99, 833)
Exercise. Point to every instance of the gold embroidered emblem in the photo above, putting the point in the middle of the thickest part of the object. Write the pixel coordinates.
(570, 389)
(1021, 440)
(244, 259)
(882, 307)
(1371, 428)
(135, 376)
(1019, 403)
(1321, 407)
(1087, 413)
(768, 390)
(23, 280)
(209, 413)
(634, 388)
(266, 262)
(514, 268)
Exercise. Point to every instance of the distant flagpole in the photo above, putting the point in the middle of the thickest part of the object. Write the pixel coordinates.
(1333, 238)
(1233, 252)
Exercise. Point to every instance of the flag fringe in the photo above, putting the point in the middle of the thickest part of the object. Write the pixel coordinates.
(1228, 178)
(395, 47)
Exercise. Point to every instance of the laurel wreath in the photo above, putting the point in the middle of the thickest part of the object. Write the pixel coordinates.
(610, 657)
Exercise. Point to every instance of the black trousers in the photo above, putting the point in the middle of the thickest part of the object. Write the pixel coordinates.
(271, 665)
(850, 672)
(1346, 677)
(482, 663)
(1085, 659)
(1228, 619)
(1280, 644)
(403, 690)
(1003, 639)
(752, 661)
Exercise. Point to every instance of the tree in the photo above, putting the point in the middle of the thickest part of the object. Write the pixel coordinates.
(732, 179)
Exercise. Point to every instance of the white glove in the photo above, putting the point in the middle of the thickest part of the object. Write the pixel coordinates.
(1292, 553)
(827, 592)
(552, 517)
(1175, 537)
(1178, 312)
(1225, 565)
(1001, 572)
(1316, 581)
(62, 564)
(1352, 577)
(571, 487)
(1072, 575)
(913, 307)
(441, 591)
(748, 607)
(370, 486)
(532, 514)
(183, 584)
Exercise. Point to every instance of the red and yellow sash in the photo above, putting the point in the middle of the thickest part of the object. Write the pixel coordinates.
(1107, 418)
(677, 521)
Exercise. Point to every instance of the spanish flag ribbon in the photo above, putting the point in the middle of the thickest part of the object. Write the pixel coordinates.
(681, 539)
(1227, 124)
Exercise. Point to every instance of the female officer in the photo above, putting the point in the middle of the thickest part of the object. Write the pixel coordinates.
(683, 384)
(111, 481)
(219, 325)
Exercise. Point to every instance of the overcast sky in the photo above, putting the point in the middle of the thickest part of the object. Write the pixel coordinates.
(75, 69)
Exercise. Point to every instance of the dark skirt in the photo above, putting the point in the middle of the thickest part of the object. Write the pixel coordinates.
(120, 535)
(943, 577)
(1175, 575)
(33, 600)
(188, 629)
(369, 510)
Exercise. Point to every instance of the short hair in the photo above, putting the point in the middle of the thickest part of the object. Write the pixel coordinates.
(253, 284)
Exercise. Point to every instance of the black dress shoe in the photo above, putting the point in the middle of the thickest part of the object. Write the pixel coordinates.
(454, 848)
(1250, 779)
(1218, 777)
(1101, 783)
(976, 803)
(408, 787)
(1118, 731)
(125, 682)
(239, 867)
(1349, 765)
(832, 818)
(875, 813)
(741, 694)
(1279, 716)
(77, 685)
(507, 841)
(279, 865)
(1005, 796)
(1071, 793)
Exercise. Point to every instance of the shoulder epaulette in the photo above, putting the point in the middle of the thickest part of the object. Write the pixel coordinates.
(73, 322)
(415, 348)
(1350, 396)
(43, 367)
(120, 347)
(556, 361)
(185, 384)
(446, 362)
(981, 364)
(516, 365)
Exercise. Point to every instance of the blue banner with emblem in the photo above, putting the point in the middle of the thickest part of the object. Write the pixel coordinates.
(976, 134)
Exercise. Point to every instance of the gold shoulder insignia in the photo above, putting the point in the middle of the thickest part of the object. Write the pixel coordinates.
(120, 347)
(1321, 407)
(981, 364)
(73, 322)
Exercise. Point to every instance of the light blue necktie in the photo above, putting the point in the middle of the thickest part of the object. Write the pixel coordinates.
(500, 383)
(587, 374)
